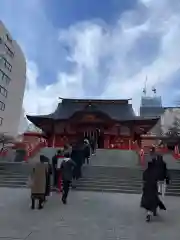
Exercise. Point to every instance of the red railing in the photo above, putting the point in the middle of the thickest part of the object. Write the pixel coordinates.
(4, 152)
(32, 148)
(176, 153)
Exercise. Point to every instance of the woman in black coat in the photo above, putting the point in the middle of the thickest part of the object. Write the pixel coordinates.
(77, 157)
(150, 199)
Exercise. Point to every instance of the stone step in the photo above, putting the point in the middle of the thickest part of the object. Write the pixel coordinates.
(122, 185)
(14, 181)
(121, 182)
(7, 185)
(5, 174)
(121, 176)
(119, 170)
(117, 190)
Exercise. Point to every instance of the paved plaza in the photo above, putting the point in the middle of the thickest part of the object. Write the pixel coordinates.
(97, 216)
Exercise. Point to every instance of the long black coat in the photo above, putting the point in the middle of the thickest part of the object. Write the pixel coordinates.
(77, 157)
(161, 169)
(67, 167)
(86, 151)
(150, 199)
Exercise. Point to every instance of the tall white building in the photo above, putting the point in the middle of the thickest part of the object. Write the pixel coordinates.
(12, 83)
(23, 123)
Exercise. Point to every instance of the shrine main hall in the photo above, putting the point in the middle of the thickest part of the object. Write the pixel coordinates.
(108, 122)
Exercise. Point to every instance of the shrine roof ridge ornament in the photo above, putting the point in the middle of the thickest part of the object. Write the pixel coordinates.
(84, 100)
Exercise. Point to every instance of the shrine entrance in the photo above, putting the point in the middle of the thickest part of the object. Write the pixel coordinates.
(96, 135)
(91, 126)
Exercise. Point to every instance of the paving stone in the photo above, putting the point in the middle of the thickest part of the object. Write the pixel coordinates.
(88, 215)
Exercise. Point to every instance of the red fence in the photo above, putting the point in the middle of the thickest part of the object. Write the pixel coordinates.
(31, 143)
(4, 152)
(34, 147)
(176, 153)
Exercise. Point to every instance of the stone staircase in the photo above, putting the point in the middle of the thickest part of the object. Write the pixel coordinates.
(109, 171)
(120, 171)
(120, 180)
(14, 174)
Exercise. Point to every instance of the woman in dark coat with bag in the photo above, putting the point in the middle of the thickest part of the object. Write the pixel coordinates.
(150, 199)
(38, 185)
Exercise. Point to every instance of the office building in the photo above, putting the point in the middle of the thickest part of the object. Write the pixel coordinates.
(12, 83)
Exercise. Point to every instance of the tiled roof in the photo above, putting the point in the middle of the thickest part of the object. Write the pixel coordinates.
(116, 110)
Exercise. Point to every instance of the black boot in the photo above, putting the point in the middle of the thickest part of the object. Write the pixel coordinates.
(148, 218)
(33, 204)
(64, 201)
(155, 213)
(40, 204)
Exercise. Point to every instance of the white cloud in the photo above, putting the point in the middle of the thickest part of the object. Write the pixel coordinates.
(106, 60)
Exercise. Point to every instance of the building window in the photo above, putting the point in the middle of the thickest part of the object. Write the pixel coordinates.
(4, 77)
(2, 106)
(6, 64)
(9, 51)
(1, 120)
(3, 91)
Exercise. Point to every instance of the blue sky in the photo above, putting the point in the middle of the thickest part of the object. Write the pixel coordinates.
(96, 49)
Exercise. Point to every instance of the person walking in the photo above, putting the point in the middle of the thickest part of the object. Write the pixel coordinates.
(67, 148)
(38, 186)
(86, 151)
(54, 168)
(93, 145)
(152, 156)
(150, 199)
(67, 167)
(77, 158)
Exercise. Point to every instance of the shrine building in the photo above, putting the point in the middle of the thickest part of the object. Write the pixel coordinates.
(109, 122)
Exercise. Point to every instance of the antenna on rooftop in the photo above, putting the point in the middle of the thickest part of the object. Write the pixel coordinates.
(154, 90)
(145, 86)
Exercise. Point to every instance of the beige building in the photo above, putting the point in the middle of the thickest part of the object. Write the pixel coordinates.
(12, 83)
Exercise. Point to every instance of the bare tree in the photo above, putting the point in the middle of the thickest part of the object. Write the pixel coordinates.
(174, 130)
(4, 141)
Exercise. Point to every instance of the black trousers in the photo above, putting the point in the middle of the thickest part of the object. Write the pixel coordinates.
(66, 186)
(55, 177)
(87, 160)
(93, 149)
(34, 201)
